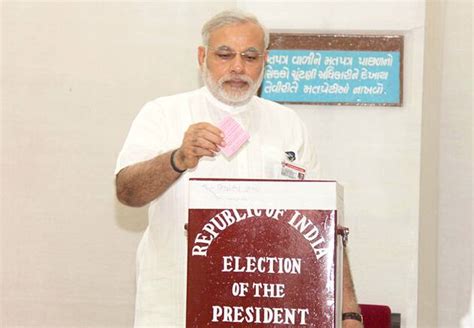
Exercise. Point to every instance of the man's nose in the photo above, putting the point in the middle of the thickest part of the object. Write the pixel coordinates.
(237, 64)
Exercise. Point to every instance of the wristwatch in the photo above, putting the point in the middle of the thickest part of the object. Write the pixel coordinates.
(353, 316)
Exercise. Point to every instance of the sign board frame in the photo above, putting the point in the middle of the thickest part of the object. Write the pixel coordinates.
(349, 43)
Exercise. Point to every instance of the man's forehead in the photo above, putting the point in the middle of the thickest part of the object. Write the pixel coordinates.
(247, 35)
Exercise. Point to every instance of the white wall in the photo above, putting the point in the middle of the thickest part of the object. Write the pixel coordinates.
(455, 166)
(446, 203)
(429, 177)
(75, 74)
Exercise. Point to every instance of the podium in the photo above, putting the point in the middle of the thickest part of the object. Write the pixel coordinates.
(264, 253)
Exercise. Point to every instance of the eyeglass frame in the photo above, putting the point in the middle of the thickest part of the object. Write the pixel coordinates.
(234, 53)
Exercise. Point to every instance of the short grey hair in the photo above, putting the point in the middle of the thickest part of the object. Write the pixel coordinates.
(231, 17)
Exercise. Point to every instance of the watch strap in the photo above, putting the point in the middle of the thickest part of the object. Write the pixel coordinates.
(352, 316)
(172, 163)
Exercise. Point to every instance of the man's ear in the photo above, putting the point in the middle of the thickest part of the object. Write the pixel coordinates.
(201, 55)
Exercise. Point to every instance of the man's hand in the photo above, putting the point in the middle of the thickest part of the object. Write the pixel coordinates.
(201, 139)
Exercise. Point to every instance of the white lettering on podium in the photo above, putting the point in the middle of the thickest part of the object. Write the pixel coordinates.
(222, 221)
(226, 218)
(265, 315)
(310, 232)
(252, 264)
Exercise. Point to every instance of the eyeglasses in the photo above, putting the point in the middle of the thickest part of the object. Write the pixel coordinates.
(250, 56)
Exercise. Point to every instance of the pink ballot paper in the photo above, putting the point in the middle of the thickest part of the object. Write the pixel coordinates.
(234, 135)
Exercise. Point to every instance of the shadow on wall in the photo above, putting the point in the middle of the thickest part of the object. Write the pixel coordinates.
(131, 218)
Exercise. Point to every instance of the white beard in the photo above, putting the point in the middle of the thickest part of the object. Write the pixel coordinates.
(234, 97)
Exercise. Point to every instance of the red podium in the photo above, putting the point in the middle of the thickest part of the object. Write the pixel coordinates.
(264, 253)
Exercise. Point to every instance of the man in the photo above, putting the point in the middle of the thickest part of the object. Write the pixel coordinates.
(175, 138)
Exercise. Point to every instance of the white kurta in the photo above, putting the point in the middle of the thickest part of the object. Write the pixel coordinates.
(158, 128)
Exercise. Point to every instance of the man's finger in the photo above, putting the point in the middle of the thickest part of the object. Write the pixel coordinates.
(209, 131)
(201, 152)
(193, 150)
(206, 144)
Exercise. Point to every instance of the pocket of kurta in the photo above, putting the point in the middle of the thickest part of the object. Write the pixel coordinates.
(272, 158)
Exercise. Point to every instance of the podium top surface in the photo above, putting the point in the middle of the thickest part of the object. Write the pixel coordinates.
(264, 193)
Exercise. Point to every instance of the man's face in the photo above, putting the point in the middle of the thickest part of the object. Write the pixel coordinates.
(231, 77)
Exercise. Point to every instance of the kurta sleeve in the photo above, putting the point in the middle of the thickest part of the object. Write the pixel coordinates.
(146, 138)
